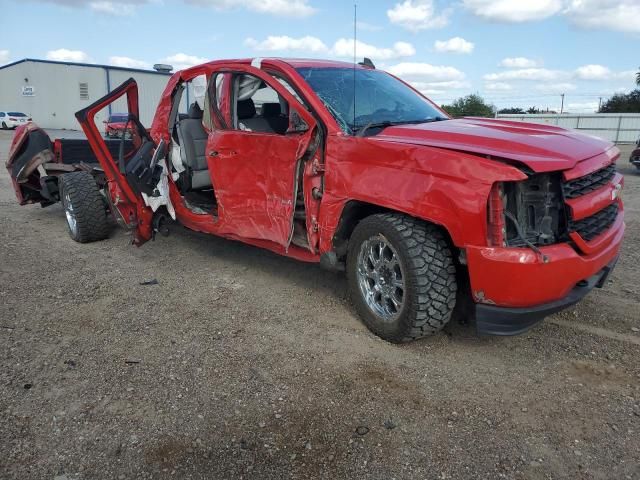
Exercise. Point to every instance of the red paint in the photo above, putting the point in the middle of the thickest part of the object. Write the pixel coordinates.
(516, 277)
(442, 172)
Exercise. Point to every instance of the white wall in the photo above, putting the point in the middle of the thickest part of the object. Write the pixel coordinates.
(615, 127)
(57, 92)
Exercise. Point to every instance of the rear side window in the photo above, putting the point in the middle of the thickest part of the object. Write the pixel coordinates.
(1, 114)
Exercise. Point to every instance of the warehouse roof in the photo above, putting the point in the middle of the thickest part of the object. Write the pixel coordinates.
(75, 64)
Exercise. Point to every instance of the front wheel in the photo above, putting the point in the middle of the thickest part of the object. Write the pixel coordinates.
(401, 275)
(84, 207)
(4, 126)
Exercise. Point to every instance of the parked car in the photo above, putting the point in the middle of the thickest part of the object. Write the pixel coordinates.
(351, 168)
(13, 119)
(634, 158)
(117, 125)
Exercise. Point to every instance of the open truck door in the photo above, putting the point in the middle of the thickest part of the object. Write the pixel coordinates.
(134, 173)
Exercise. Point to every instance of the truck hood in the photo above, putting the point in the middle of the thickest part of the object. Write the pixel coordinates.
(540, 147)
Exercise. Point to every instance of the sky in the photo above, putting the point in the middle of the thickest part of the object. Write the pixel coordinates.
(519, 53)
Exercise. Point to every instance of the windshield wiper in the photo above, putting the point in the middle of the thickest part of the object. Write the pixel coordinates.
(360, 131)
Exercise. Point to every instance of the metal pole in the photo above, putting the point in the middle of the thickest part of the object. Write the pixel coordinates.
(618, 129)
(562, 103)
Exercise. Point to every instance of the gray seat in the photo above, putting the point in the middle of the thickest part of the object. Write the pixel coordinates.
(193, 143)
(246, 110)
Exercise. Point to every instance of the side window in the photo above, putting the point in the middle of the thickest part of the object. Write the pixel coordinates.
(1, 114)
(257, 107)
(217, 111)
(192, 102)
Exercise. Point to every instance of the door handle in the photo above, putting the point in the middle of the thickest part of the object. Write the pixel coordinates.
(222, 153)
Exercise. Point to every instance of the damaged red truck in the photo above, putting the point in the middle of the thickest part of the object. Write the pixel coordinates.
(503, 222)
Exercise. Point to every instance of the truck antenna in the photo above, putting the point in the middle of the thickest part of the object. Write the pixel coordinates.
(355, 33)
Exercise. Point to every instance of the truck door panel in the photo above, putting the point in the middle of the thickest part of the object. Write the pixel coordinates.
(254, 173)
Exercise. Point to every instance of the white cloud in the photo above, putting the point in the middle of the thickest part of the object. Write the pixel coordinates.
(4, 56)
(64, 55)
(285, 8)
(285, 43)
(539, 74)
(514, 11)
(417, 15)
(429, 88)
(556, 87)
(180, 61)
(112, 8)
(128, 62)
(344, 48)
(454, 45)
(105, 7)
(424, 72)
(593, 72)
(620, 15)
(518, 62)
(498, 86)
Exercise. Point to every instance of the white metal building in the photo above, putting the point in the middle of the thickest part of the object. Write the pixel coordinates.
(51, 92)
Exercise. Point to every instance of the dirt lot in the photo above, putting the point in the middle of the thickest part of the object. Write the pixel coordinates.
(243, 364)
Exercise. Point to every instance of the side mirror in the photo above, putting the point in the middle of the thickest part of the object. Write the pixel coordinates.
(296, 123)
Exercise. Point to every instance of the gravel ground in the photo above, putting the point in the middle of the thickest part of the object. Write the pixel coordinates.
(243, 364)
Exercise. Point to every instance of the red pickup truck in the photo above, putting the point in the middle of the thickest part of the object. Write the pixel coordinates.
(350, 167)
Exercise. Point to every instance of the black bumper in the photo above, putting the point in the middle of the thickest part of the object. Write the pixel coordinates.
(494, 320)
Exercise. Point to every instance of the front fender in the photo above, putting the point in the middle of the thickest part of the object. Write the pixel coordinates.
(445, 187)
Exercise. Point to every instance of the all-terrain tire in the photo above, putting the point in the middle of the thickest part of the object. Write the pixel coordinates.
(428, 274)
(84, 207)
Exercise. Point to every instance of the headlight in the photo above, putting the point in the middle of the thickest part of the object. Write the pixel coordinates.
(528, 212)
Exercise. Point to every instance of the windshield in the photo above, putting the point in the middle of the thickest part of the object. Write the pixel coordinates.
(16, 114)
(380, 98)
(117, 118)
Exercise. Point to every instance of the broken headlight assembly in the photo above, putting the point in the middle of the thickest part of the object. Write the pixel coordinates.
(528, 213)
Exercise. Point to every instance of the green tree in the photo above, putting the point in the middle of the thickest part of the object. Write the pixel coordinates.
(511, 110)
(638, 77)
(470, 106)
(622, 103)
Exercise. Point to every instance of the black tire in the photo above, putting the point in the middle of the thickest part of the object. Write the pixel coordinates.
(83, 202)
(4, 126)
(427, 270)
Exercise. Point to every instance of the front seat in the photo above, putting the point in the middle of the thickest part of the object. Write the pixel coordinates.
(246, 111)
(193, 142)
(272, 113)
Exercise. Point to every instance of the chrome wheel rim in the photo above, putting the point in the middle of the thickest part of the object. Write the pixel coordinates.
(380, 277)
(71, 216)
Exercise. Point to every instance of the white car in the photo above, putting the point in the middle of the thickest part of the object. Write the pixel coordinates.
(13, 119)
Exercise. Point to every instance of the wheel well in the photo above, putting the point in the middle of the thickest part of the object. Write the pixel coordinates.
(355, 211)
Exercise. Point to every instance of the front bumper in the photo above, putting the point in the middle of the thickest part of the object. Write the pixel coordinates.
(494, 320)
(513, 288)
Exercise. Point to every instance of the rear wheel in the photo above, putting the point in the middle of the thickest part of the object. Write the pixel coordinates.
(4, 126)
(401, 277)
(84, 207)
